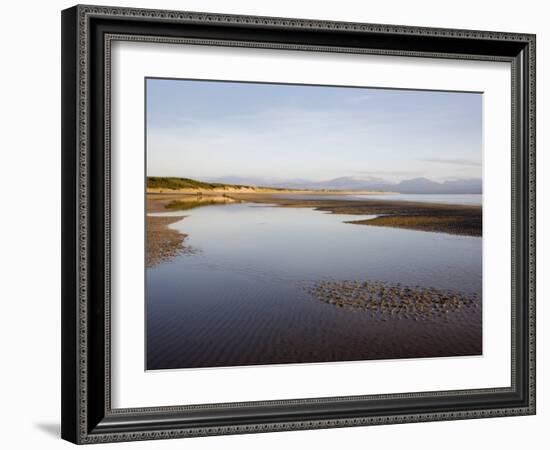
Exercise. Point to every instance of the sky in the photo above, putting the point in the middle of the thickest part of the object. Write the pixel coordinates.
(210, 130)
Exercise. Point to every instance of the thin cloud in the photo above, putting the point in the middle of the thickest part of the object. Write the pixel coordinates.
(295, 134)
(382, 172)
(359, 99)
(453, 161)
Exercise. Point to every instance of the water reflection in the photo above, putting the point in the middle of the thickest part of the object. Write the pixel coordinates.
(242, 301)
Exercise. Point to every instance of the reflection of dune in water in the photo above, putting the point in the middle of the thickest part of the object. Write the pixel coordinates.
(159, 202)
(195, 201)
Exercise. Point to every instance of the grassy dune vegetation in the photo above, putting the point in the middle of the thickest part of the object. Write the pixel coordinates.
(174, 183)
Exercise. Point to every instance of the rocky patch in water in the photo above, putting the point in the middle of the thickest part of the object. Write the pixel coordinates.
(385, 301)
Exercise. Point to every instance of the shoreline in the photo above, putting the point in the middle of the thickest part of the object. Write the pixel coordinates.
(463, 220)
(162, 243)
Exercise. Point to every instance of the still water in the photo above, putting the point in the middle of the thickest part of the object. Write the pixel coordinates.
(239, 297)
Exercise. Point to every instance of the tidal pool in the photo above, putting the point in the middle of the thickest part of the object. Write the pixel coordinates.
(244, 297)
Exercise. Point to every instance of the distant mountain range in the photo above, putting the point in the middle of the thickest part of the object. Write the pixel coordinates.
(413, 186)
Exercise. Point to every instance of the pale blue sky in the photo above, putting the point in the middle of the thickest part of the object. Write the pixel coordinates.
(204, 129)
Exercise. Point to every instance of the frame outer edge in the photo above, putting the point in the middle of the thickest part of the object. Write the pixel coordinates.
(532, 143)
(297, 23)
(69, 230)
(75, 209)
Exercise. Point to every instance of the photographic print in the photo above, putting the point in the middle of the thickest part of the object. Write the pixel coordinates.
(291, 223)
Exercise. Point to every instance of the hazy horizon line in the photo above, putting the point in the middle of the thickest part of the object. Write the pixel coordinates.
(320, 180)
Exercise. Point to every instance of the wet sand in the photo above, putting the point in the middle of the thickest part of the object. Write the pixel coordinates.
(163, 243)
(459, 224)
(306, 329)
(385, 301)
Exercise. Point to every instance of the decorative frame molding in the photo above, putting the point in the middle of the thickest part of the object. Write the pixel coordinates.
(88, 31)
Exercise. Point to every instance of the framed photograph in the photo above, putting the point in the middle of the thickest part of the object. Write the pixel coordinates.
(276, 224)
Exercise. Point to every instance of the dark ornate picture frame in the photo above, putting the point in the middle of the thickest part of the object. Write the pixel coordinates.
(87, 34)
